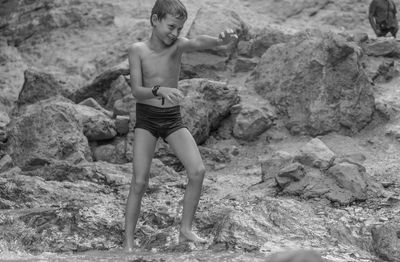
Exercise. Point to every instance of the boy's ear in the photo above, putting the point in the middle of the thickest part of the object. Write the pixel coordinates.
(154, 18)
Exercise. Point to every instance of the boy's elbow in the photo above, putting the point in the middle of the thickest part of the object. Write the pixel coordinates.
(134, 92)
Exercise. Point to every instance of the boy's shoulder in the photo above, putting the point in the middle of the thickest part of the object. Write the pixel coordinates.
(137, 47)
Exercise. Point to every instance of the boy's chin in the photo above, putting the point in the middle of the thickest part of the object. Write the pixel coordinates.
(169, 42)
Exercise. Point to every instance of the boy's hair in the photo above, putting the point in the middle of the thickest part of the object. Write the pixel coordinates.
(173, 7)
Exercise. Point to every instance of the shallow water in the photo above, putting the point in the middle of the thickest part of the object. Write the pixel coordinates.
(140, 256)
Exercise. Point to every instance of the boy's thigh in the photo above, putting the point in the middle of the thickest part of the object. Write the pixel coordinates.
(185, 148)
(143, 152)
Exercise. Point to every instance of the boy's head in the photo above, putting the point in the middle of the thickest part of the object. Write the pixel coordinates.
(162, 8)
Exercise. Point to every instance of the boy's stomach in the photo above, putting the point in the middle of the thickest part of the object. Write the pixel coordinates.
(157, 101)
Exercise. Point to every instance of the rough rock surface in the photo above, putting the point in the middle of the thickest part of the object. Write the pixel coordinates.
(317, 84)
(55, 133)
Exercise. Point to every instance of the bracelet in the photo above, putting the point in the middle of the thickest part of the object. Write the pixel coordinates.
(154, 90)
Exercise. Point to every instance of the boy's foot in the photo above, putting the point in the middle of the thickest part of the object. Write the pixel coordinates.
(189, 236)
(128, 249)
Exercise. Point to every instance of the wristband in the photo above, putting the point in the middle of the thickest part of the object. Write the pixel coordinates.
(154, 90)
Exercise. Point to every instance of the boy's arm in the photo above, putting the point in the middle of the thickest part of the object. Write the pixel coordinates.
(207, 42)
(371, 17)
(135, 69)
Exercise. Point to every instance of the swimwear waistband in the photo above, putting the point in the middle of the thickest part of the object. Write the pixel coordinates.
(157, 109)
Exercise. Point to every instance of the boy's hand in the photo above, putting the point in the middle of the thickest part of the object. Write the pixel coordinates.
(173, 95)
(227, 36)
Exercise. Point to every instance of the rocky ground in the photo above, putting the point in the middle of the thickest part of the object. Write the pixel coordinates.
(297, 124)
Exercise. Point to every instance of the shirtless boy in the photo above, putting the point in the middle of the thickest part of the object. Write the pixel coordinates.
(382, 17)
(154, 69)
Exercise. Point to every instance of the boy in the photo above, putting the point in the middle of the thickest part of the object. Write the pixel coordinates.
(382, 17)
(154, 69)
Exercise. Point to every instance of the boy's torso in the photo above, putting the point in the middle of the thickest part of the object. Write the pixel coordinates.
(160, 68)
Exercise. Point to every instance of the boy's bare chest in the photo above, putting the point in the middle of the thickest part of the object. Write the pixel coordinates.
(160, 65)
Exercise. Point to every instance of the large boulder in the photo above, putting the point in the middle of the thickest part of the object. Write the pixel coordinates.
(40, 86)
(21, 20)
(47, 131)
(261, 40)
(316, 83)
(206, 103)
(100, 86)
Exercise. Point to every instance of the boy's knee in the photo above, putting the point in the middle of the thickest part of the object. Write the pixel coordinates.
(197, 173)
(140, 187)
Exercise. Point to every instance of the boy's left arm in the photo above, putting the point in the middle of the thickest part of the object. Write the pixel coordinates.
(207, 42)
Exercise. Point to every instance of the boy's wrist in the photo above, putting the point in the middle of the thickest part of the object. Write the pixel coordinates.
(155, 89)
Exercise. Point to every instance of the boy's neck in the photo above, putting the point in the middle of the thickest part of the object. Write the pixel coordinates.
(156, 44)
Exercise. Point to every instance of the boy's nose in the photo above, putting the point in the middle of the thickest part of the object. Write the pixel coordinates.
(175, 33)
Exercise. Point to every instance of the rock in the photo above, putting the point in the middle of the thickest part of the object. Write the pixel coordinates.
(118, 89)
(350, 177)
(213, 21)
(90, 102)
(122, 124)
(96, 125)
(249, 228)
(387, 48)
(315, 153)
(252, 121)
(114, 152)
(385, 241)
(293, 172)
(386, 72)
(40, 86)
(12, 67)
(101, 84)
(393, 130)
(272, 164)
(125, 106)
(211, 157)
(6, 163)
(4, 121)
(55, 133)
(25, 19)
(203, 65)
(261, 40)
(310, 95)
(243, 64)
(205, 104)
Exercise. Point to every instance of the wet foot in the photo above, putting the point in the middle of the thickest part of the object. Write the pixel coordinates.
(189, 236)
(128, 249)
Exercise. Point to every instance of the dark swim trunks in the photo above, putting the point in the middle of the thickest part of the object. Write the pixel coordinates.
(159, 121)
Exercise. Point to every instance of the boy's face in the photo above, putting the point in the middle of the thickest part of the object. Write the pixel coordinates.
(168, 28)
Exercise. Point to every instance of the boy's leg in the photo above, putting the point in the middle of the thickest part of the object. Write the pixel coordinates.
(143, 153)
(185, 148)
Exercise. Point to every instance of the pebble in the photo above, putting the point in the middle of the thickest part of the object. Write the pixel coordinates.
(383, 219)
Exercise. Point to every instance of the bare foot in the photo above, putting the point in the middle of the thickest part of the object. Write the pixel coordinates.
(128, 249)
(189, 236)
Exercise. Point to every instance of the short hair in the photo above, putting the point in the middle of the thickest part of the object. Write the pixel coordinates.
(173, 7)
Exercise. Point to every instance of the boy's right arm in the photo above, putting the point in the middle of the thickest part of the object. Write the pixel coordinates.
(135, 69)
